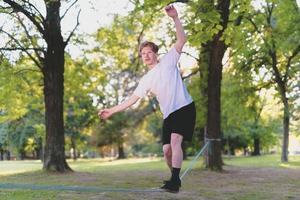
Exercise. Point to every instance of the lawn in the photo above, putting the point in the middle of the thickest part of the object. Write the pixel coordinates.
(243, 178)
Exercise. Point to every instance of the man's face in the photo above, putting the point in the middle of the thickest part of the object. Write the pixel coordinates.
(148, 56)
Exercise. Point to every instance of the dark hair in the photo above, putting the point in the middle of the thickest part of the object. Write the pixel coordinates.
(153, 46)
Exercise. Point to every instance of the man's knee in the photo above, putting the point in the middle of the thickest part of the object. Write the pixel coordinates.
(176, 140)
(167, 150)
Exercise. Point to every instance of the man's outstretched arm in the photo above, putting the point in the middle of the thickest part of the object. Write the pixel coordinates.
(108, 112)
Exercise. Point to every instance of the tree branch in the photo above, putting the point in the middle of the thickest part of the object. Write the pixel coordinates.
(197, 59)
(67, 10)
(24, 70)
(287, 67)
(72, 32)
(179, 1)
(18, 8)
(39, 13)
(22, 48)
(269, 10)
(191, 74)
(36, 50)
(252, 22)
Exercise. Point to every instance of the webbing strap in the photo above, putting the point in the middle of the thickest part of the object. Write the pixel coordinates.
(72, 188)
(192, 163)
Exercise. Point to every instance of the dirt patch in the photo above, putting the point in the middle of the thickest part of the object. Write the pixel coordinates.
(233, 183)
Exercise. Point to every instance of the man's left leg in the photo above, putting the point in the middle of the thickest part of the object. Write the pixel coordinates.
(177, 156)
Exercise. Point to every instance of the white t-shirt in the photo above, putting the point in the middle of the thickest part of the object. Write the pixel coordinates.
(165, 82)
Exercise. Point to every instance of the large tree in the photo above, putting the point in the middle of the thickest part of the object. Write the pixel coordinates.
(212, 19)
(41, 39)
(273, 49)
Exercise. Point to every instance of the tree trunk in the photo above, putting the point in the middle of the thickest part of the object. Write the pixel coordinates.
(215, 51)
(281, 85)
(8, 155)
(256, 135)
(245, 151)
(54, 154)
(231, 147)
(121, 151)
(231, 151)
(228, 145)
(286, 123)
(1, 154)
(256, 151)
(38, 150)
(22, 154)
(37, 153)
(214, 109)
(73, 144)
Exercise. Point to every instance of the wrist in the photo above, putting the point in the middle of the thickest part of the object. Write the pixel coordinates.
(175, 18)
(113, 110)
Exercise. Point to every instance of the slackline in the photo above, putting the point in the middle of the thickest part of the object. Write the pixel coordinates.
(72, 188)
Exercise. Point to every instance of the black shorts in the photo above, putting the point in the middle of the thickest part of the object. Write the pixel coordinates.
(181, 121)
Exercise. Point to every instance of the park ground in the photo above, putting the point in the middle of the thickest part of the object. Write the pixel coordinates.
(243, 178)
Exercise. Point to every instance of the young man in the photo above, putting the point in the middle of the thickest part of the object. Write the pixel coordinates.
(164, 81)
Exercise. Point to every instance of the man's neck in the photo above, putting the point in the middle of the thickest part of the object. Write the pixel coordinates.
(152, 65)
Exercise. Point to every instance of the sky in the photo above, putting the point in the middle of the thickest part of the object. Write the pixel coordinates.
(97, 13)
(103, 10)
(93, 14)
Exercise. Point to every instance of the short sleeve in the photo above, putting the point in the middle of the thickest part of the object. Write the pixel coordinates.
(171, 58)
(142, 88)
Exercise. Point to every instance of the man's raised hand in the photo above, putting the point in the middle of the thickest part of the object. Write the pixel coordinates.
(171, 11)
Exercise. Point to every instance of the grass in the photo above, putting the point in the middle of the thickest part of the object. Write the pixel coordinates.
(272, 161)
(243, 178)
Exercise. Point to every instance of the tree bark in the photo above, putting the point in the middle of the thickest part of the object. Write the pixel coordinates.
(281, 85)
(54, 154)
(8, 155)
(22, 154)
(232, 150)
(39, 150)
(121, 151)
(215, 51)
(256, 151)
(1, 154)
(286, 123)
(73, 144)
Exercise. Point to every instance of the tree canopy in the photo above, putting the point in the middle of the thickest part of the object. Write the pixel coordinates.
(244, 79)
